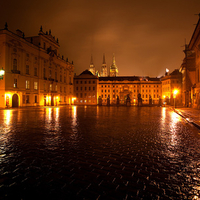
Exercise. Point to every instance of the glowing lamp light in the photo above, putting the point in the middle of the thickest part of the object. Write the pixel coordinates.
(164, 96)
(2, 72)
(73, 99)
(175, 92)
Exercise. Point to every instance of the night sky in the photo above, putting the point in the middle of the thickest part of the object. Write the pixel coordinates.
(147, 36)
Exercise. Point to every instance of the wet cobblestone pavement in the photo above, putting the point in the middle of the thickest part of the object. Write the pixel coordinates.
(98, 153)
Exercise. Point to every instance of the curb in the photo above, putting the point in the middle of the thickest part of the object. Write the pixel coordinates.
(193, 123)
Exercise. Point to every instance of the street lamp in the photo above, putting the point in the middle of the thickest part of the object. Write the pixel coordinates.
(175, 92)
(2, 72)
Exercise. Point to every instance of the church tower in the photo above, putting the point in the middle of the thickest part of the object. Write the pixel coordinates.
(104, 67)
(113, 68)
(92, 67)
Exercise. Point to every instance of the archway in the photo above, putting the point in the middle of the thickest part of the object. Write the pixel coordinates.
(15, 101)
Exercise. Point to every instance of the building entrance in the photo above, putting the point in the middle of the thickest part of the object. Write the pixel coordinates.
(15, 100)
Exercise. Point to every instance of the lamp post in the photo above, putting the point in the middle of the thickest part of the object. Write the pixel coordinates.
(2, 72)
(175, 92)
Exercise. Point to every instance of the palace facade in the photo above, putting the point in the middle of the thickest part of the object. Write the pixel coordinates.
(92, 88)
(35, 73)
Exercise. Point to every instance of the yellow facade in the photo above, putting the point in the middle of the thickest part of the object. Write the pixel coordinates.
(35, 73)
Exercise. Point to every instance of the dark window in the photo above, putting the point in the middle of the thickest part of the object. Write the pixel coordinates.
(44, 72)
(35, 71)
(27, 69)
(27, 98)
(35, 99)
(14, 64)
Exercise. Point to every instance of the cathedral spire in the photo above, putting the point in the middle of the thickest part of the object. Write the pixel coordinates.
(113, 67)
(92, 67)
(113, 62)
(104, 67)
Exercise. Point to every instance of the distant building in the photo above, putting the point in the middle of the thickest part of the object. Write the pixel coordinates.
(171, 82)
(90, 89)
(35, 73)
(86, 88)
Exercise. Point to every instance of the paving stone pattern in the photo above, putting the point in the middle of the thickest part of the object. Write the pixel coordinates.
(98, 153)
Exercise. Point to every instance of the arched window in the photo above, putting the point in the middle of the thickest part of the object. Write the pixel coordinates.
(14, 64)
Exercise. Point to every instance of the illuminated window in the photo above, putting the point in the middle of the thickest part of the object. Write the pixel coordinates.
(14, 64)
(27, 84)
(27, 69)
(15, 83)
(50, 87)
(35, 85)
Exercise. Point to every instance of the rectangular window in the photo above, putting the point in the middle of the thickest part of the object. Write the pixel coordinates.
(35, 98)
(55, 76)
(27, 69)
(60, 78)
(77, 88)
(93, 88)
(85, 88)
(15, 83)
(60, 88)
(35, 71)
(27, 98)
(44, 72)
(14, 64)
(56, 87)
(50, 87)
(64, 79)
(27, 84)
(81, 95)
(49, 73)
(35, 85)
(65, 89)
